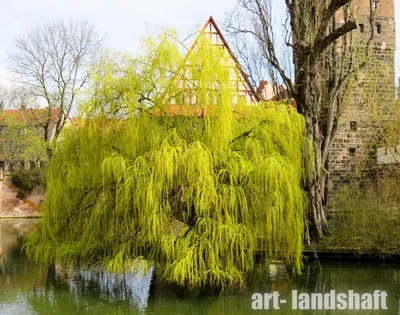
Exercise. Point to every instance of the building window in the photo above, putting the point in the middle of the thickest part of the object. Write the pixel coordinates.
(352, 151)
(361, 28)
(353, 126)
(378, 28)
(375, 4)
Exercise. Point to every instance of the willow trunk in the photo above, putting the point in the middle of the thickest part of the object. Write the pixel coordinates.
(310, 99)
(316, 183)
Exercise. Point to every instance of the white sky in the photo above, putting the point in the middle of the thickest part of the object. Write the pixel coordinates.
(122, 22)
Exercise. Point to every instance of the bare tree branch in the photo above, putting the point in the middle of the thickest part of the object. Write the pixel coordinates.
(322, 71)
(54, 60)
(329, 39)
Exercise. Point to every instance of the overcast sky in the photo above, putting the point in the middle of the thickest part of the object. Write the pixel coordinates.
(122, 22)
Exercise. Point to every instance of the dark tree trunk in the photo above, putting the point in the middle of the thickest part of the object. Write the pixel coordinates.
(315, 185)
(323, 63)
(316, 90)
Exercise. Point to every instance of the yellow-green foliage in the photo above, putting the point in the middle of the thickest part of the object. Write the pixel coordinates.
(195, 196)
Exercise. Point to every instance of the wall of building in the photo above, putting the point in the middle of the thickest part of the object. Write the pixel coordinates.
(371, 97)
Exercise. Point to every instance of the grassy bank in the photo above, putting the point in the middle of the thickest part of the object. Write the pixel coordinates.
(365, 218)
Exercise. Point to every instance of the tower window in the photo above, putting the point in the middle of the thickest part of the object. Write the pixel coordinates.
(352, 151)
(378, 28)
(361, 28)
(353, 126)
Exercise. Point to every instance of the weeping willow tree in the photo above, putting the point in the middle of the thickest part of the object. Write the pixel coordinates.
(196, 194)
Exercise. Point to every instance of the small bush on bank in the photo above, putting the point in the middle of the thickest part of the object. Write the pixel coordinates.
(366, 218)
(27, 180)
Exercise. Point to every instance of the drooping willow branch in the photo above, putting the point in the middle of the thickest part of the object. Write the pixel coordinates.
(198, 197)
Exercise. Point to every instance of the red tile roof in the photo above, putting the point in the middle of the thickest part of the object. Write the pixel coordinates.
(29, 116)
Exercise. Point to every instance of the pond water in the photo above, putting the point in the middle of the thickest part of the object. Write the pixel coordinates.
(29, 288)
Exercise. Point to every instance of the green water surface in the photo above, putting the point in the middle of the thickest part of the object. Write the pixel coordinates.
(28, 288)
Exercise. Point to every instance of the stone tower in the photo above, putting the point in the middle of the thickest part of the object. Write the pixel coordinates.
(371, 94)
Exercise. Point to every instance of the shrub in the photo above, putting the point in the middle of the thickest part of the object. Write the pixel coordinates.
(367, 218)
(26, 181)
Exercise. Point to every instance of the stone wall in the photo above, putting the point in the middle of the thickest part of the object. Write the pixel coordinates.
(371, 96)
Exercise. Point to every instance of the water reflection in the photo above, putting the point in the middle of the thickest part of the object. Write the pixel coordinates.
(12, 232)
(61, 301)
(17, 275)
(132, 287)
(28, 288)
(341, 276)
